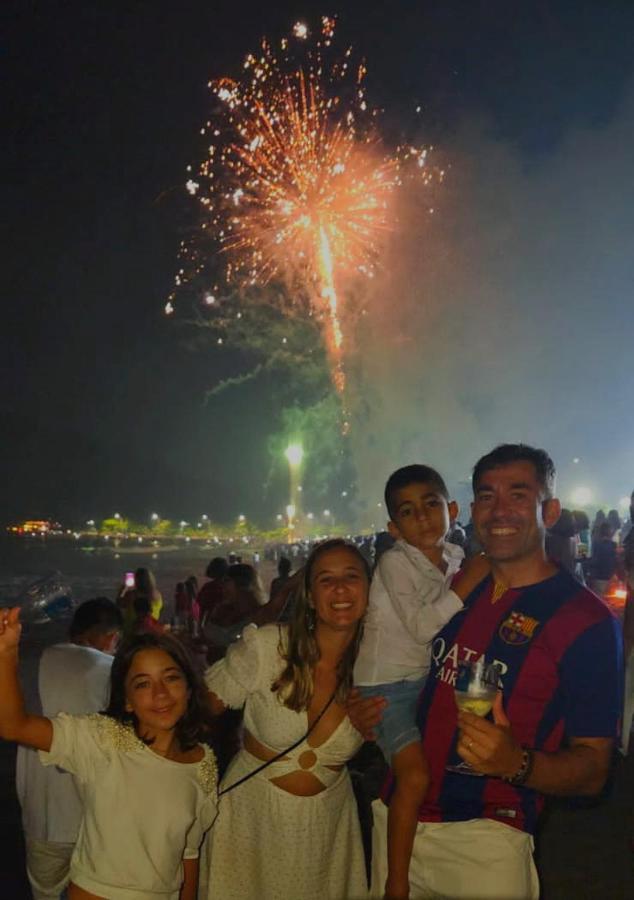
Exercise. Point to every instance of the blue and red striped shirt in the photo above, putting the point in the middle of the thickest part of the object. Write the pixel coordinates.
(559, 649)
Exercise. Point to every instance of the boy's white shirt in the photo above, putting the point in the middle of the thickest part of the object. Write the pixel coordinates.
(410, 601)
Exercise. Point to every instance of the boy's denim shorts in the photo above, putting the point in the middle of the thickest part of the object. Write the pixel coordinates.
(398, 726)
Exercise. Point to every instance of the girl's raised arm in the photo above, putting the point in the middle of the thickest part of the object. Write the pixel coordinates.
(16, 724)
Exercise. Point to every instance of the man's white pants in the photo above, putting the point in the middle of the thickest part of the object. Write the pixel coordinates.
(47, 867)
(475, 860)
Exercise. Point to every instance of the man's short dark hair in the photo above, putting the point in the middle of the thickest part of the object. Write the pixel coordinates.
(416, 474)
(504, 454)
(99, 615)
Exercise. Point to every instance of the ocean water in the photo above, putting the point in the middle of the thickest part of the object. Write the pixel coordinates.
(100, 571)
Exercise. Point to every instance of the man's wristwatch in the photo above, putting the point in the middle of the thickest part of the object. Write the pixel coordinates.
(523, 773)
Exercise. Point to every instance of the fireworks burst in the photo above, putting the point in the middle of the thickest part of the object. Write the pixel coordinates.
(297, 185)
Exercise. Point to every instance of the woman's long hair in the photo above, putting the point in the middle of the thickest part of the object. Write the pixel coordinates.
(194, 725)
(295, 685)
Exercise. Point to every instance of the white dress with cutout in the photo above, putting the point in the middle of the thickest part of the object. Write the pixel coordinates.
(266, 843)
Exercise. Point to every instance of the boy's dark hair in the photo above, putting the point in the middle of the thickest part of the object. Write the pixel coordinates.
(415, 474)
(99, 615)
(194, 725)
(504, 454)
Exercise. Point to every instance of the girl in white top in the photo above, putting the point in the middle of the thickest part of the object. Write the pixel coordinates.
(148, 788)
(291, 831)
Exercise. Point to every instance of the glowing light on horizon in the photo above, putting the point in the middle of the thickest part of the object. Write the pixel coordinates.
(582, 496)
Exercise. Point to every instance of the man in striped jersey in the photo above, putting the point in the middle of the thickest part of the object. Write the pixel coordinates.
(553, 726)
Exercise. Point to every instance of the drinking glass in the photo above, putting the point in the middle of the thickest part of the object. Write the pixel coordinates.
(476, 687)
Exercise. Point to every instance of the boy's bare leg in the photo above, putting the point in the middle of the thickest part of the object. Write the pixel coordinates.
(412, 779)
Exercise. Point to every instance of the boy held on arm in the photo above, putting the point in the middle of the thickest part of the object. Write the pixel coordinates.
(413, 595)
(558, 649)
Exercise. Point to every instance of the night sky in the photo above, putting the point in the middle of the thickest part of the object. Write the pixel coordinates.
(525, 313)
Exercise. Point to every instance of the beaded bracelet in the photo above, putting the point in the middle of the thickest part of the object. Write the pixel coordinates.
(523, 773)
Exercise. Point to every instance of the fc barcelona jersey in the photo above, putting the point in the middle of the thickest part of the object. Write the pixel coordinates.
(558, 648)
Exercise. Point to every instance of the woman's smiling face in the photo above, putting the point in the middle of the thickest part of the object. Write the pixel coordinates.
(339, 588)
(156, 691)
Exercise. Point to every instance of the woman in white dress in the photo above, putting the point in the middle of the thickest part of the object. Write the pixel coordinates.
(291, 831)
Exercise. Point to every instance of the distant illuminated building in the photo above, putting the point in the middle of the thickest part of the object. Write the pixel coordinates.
(34, 526)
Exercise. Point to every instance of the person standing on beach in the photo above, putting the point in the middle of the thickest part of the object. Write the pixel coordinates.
(73, 677)
(558, 649)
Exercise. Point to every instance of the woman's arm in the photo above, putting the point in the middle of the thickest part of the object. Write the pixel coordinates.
(189, 888)
(123, 596)
(16, 724)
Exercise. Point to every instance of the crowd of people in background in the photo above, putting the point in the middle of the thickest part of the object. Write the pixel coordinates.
(127, 799)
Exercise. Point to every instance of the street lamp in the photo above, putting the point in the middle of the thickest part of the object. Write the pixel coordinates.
(290, 516)
(294, 453)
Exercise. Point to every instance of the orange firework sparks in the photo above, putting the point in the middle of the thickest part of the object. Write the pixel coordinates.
(296, 187)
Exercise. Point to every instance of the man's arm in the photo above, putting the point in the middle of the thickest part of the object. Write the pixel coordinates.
(579, 769)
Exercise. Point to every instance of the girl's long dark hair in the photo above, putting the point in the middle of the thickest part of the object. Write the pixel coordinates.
(194, 725)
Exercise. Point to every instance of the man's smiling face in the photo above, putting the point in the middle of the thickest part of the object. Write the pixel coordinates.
(510, 512)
